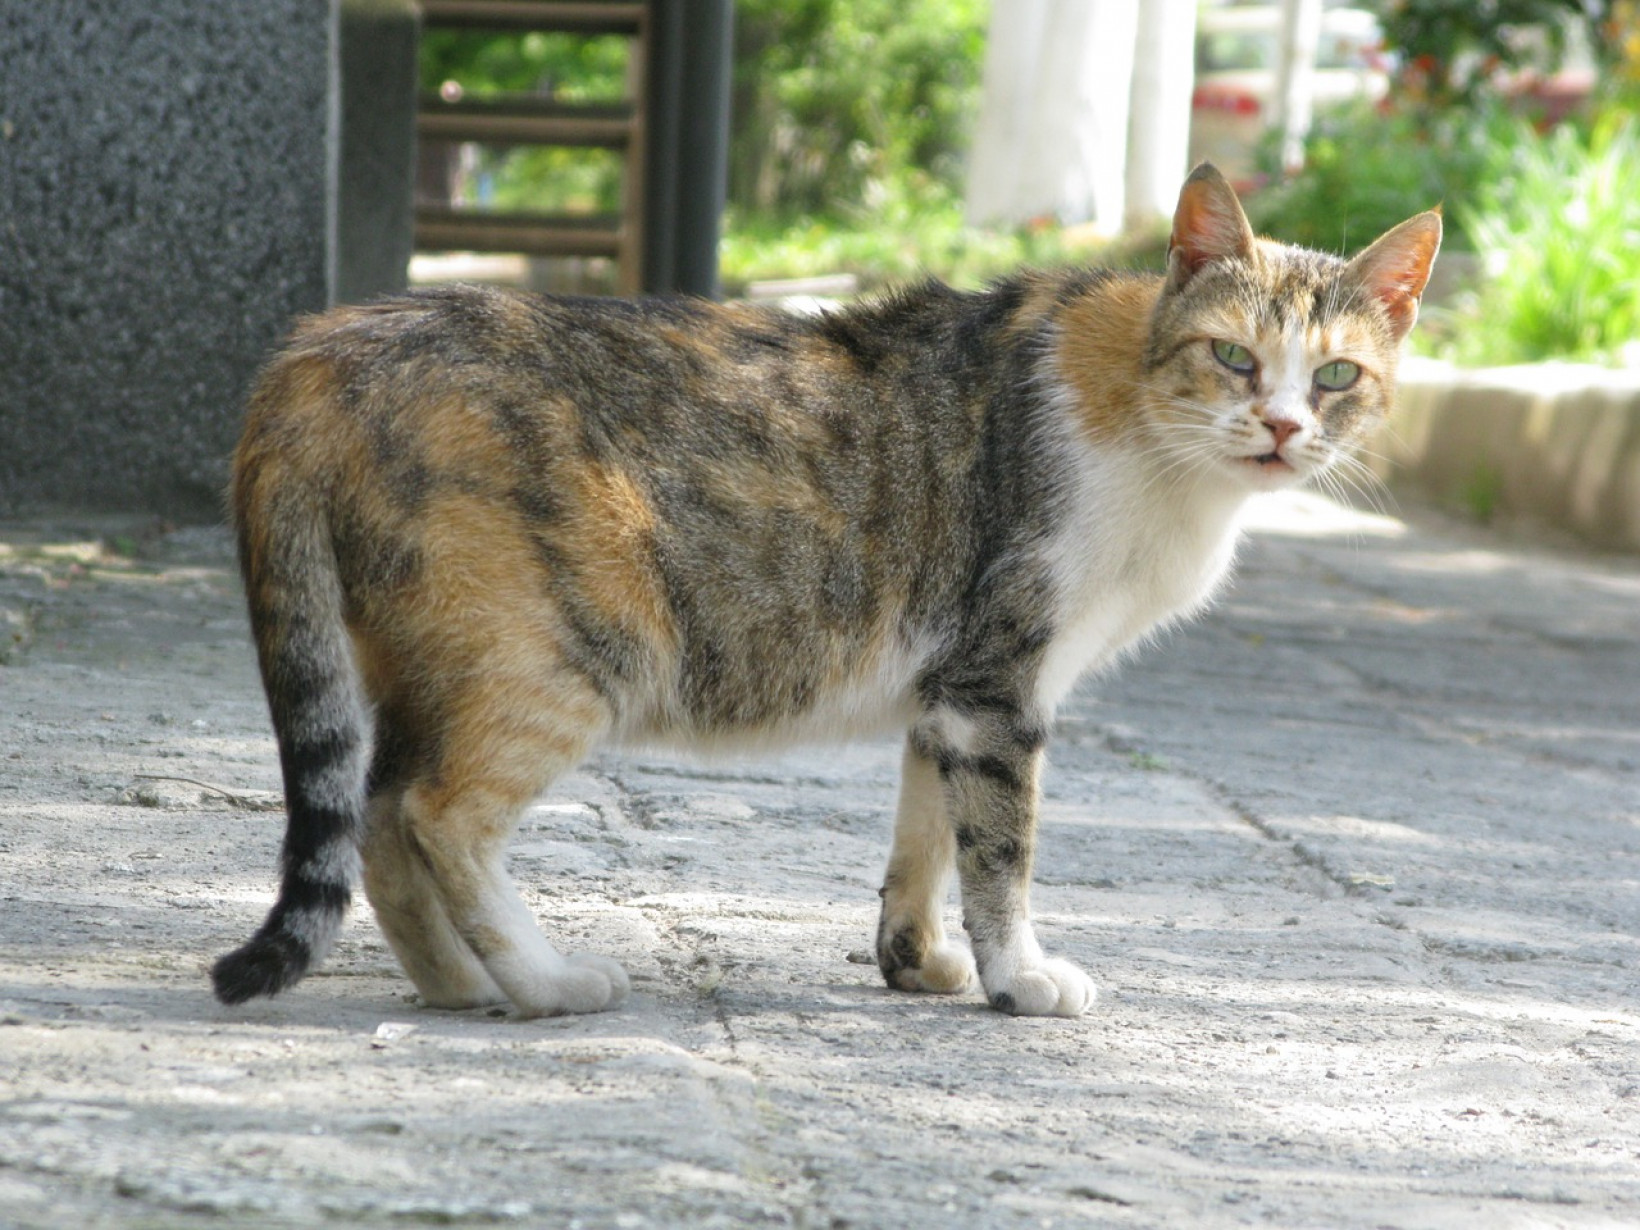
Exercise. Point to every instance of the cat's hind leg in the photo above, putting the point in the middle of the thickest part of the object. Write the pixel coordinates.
(411, 914)
(913, 950)
(505, 735)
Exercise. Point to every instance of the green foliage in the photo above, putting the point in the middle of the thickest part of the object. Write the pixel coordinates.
(551, 179)
(851, 118)
(567, 67)
(478, 65)
(842, 104)
(1558, 230)
(903, 240)
(1367, 168)
(1482, 492)
(851, 121)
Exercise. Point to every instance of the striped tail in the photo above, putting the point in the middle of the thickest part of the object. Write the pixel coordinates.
(314, 694)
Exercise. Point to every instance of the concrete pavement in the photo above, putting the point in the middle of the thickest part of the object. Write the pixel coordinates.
(1355, 860)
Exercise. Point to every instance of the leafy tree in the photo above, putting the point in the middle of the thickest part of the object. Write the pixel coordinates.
(841, 103)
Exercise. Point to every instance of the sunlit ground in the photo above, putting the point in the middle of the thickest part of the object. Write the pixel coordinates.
(1307, 514)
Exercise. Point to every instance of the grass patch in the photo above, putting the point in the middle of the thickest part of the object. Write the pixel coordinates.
(907, 239)
(1559, 234)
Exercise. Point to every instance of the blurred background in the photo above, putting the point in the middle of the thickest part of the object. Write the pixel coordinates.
(872, 141)
(180, 179)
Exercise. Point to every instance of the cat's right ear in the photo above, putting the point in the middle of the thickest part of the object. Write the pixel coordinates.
(1395, 269)
(1208, 226)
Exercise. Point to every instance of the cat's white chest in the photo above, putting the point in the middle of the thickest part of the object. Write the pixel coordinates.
(1130, 561)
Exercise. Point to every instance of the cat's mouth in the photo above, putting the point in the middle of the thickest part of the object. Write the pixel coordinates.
(1267, 471)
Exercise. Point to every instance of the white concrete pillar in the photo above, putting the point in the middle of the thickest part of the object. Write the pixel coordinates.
(1053, 127)
(1158, 144)
(1295, 77)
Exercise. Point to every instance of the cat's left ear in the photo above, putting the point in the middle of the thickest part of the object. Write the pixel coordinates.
(1208, 226)
(1395, 269)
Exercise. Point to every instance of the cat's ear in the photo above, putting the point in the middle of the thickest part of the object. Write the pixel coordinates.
(1208, 226)
(1395, 269)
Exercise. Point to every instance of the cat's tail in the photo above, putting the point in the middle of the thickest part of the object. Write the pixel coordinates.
(281, 509)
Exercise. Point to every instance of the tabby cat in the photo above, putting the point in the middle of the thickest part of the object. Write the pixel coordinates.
(483, 533)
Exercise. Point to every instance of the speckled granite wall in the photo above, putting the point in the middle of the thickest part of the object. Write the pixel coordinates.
(167, 203)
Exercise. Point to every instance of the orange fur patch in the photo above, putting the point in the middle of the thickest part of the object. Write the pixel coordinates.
(608, 539)
(1102, 336)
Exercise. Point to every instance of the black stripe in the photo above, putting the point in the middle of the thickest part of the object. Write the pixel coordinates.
(993, 768)
(1005, 855)
(1079, 282)
(312, 758)
(309, 830)
(604, 656)
(393, 758)
(301, 893)
(990, 312)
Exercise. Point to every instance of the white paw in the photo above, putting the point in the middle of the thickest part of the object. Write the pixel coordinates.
(583, 983)
(620, 986)
(1049, 987)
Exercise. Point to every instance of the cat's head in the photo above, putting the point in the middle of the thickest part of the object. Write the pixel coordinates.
(1269, 362)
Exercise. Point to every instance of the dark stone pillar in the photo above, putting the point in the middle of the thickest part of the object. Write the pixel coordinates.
(178, 179)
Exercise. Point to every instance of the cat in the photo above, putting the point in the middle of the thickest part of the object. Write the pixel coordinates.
(483, 533)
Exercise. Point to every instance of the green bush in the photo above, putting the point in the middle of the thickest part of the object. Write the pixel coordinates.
(850, 119)
(840, 105)
(1558, 231)
(562, 67)
(1367, 168)
(901, 241)
(1449, 50)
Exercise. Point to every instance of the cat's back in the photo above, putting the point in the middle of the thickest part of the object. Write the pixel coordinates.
(627, 377)
(714, 499)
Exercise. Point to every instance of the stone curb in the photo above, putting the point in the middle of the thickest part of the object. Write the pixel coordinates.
(1554, 443)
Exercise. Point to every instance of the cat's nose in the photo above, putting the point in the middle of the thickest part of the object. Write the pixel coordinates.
(1281, 428)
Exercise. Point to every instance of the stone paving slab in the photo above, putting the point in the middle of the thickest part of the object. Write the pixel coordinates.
(1355, 860)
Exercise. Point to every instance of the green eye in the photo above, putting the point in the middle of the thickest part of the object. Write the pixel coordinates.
(1339, 374)
(1234, 356)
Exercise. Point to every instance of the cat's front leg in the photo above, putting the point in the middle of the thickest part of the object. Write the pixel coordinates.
(912, 948)
(989, 762)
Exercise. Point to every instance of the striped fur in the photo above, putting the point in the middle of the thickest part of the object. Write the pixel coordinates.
(483, 533)
(292, 586)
